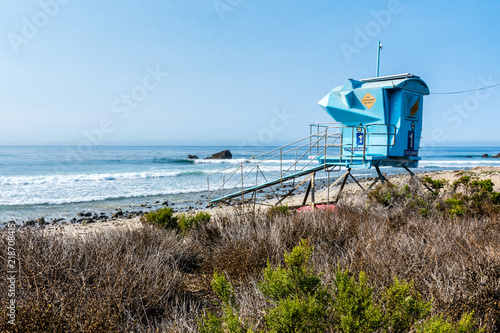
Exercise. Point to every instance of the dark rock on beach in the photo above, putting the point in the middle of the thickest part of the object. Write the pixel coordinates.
(485, 156)
(84, 214)
(192, 157)
(117, 214)
(223, 155)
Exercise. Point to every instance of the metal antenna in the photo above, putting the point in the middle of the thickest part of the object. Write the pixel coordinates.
(378, 57)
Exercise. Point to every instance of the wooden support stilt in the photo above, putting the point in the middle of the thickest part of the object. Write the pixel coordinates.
(293, 190)
(309, 187)
(313, 191)
(338, 180)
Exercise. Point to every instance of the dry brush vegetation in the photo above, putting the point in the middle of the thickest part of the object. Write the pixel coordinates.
(152, 279)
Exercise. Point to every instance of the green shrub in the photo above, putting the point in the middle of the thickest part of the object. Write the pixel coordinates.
(403, 306)
(282, 209)
(483, 185)
(495, 198)
(477, 198)
(297, 315)
(386, 194)
(210, 324)
(163, 218)
(455, 206)
(355, 309)
(279, 210)
(180, 223)
(437, 324)
(188, 222)
(295, 279)
(435, 183)
(464, 180)
(230, 321)
(299, 303)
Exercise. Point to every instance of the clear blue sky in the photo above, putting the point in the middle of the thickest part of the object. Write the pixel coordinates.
(228, 72)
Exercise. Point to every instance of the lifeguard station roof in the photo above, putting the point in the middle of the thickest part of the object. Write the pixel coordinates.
(406, 81)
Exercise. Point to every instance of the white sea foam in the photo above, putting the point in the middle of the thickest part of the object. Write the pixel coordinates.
(40, 195)
(99, 177)
(460, 163)
(250, 162)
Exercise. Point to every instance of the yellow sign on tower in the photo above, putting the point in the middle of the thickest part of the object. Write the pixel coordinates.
(368, 100)
(414, 109)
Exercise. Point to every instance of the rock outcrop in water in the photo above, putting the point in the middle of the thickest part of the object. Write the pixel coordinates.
(223, 155)
(495, 156)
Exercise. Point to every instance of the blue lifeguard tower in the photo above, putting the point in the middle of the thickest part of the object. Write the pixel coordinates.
(378, 123)
(381, 120)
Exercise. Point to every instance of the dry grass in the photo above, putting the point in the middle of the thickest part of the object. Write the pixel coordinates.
(150, 279)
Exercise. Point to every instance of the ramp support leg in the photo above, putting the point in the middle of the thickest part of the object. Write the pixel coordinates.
(313, 190)
(309, 188)
(293, 190)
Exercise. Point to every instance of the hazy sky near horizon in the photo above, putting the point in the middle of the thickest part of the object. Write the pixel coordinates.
(231, 72)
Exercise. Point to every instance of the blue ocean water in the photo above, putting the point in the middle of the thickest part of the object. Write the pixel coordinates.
(62, 181)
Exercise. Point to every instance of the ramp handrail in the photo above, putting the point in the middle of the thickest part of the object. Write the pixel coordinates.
(301, 149)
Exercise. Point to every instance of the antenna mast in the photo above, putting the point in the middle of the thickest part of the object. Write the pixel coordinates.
(378, 57)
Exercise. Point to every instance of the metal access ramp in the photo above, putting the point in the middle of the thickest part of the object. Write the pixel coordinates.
(270, 183)
(324, 149)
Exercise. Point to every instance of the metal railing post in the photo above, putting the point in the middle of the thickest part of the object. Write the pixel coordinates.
(295, 165)
(352, 143)
(317, 146)
(242, 194)
(326, 143)
(281, 165)
(208, 189)
(364, 142)
(341, 144)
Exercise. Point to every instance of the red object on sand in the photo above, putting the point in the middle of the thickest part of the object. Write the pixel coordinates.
(331, 208)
